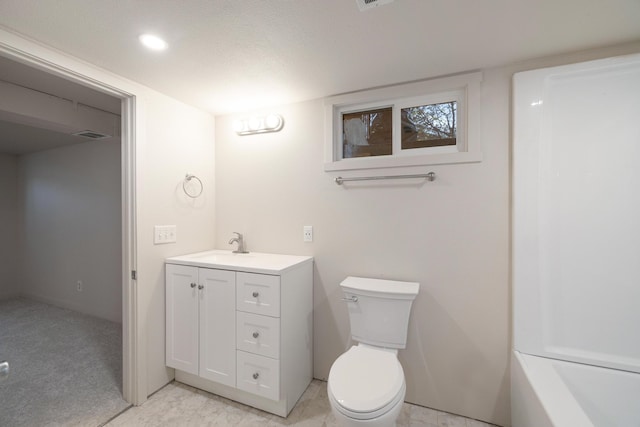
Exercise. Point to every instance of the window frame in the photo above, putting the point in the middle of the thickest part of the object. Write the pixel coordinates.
(464, 89)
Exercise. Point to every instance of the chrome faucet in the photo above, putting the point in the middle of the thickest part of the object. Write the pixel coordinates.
(240, 241)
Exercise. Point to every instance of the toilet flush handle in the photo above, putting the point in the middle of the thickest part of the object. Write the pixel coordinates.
(352, 298)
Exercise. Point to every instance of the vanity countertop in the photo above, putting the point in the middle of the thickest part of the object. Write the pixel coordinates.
(252, 262)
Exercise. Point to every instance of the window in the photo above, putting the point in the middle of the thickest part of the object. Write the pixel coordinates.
(432, 125)
(430, 122)
(366, 133)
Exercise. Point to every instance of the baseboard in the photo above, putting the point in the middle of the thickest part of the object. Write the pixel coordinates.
(107, 315)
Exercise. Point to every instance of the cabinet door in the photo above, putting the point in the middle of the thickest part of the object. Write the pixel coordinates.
(217, 326)
(181, 294)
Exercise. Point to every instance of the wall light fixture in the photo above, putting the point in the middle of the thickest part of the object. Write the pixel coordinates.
(253, 125)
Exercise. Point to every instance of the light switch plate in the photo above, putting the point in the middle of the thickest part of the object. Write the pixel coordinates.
(164, 234)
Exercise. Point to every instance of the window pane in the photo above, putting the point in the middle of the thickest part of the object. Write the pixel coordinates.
(366, 133)
(432, 125)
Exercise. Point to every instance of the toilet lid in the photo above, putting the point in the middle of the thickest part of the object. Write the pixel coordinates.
(365, 379)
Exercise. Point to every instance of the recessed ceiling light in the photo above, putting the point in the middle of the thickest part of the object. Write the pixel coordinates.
(370, 4)
(153, 42)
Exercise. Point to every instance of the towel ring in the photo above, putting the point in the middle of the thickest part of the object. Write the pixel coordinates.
(188, 179)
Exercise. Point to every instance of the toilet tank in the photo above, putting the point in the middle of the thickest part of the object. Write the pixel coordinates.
(379, 310)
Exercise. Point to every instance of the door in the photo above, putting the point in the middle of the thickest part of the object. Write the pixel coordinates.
(218, 326)
(182, 317)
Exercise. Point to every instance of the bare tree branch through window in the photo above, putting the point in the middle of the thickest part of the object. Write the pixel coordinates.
(432, 125)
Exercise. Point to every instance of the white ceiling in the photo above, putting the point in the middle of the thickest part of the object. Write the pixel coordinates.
(229, 56)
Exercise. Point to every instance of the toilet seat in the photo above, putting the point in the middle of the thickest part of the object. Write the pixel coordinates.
(366, 382)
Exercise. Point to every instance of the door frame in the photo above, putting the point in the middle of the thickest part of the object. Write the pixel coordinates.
(133, 372)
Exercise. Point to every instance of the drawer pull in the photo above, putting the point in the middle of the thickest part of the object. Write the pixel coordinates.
(255, 294)
(255, 376)
(200, 287)
(193, 285)
(256, 334)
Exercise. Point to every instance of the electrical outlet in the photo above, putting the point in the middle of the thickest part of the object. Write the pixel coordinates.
(307, 233)
(164, 234)
(79, 285)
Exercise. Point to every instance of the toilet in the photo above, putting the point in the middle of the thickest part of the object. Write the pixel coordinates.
(366, 385)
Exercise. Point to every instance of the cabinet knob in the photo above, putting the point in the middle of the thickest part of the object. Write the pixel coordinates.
(256, 334)
(255, 376)
(255, 294)
(193, 285)
(200, 287)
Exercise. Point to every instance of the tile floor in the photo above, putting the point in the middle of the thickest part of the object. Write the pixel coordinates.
(179, 404)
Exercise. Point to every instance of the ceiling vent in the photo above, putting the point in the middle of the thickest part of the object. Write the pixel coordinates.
(370, 4)
(91, 134)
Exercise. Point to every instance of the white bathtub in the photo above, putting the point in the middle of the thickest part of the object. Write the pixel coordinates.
(554, 393)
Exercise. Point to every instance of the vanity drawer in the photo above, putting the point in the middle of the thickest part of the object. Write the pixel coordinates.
(258, 375)
(258, 334)
(258, 293)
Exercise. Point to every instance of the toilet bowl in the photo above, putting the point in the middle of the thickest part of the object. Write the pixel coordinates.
(366, 385)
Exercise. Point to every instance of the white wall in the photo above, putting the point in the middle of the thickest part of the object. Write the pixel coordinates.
(9, 225)
(451, 235)
(71, 210)
(179, 140)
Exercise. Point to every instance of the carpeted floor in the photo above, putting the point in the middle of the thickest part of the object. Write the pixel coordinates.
(66, 367)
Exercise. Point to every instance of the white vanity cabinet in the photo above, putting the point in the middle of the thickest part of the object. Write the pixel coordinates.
(200, 308)
(240, 325)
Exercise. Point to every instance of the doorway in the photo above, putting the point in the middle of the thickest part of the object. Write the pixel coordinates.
(132, 391)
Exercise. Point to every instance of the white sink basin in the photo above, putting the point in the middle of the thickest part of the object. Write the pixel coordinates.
(213, 256)
(252, 262)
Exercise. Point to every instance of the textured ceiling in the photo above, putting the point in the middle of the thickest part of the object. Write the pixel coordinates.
(229, 56)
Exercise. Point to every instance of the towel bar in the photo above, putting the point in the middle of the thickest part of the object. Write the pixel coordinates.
(431, 176)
